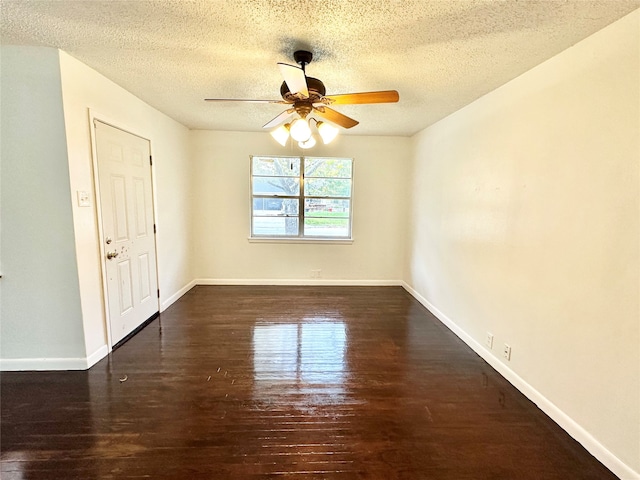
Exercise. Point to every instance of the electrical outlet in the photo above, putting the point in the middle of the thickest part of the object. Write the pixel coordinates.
(316, 273)
(506, 353)
(489, 340)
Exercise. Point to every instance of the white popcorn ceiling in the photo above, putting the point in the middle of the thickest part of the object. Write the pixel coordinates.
(439, 54)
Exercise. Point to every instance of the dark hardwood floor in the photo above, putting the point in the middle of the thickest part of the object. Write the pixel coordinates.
(295, 382)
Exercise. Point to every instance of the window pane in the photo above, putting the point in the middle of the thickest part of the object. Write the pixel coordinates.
(324, 207)
(327, 187)
(289, 186)
(282, 186)
(328, 167)
(275, 226)
(276, 167)
(269, 206)
(326, 227)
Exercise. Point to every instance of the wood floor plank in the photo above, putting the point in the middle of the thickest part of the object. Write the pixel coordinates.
(252, 382)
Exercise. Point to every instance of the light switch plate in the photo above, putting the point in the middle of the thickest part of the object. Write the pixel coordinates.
(83, 199)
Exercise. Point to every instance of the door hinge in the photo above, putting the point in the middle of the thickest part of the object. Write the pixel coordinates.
(158, 293)
(154, 228)
(150, 160)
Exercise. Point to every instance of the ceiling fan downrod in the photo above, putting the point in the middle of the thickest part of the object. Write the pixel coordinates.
(302, 58)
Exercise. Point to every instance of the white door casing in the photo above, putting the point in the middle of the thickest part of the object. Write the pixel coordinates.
(126, 203)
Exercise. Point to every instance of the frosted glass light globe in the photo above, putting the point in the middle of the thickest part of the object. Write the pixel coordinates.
(300, 130)
(281, 134)
(327, 132)
(308, 144)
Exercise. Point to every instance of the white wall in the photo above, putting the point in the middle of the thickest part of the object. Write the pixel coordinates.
(84, 89)
(525, 223)
(222, 187)
(40, 305)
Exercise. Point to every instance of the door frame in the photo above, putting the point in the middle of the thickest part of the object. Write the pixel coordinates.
(93, 117)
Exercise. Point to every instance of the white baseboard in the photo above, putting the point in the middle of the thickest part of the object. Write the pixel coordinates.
(96, 356)
(40, 364)
(301, 282)
(176, 296)
(574, 429)
(45, 364)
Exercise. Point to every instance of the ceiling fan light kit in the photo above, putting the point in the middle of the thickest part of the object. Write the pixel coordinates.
(326, 131)
(307, 95)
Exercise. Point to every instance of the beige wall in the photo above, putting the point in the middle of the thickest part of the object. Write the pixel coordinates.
(52, 308)
(84, 91)
(525, 223)
(222, 212)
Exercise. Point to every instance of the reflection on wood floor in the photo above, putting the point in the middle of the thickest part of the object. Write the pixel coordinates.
(295, 382)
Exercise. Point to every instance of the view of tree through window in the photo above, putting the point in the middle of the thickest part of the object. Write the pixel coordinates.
(303, 197)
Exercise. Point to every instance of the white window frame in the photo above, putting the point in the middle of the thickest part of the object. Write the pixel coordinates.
(301, 238)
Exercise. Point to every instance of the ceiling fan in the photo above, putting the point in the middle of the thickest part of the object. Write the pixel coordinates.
(306, 95)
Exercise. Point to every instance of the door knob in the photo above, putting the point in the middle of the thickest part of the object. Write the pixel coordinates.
(111, 255)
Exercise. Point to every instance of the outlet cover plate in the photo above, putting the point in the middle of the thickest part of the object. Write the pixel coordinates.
(506, 353)
(489, 340)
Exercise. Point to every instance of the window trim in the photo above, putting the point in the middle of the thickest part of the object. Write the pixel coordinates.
(320, 240)
(301, 238)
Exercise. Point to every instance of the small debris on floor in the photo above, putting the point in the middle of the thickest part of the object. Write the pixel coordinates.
(208, 378)
(429, 417)
(124, 379)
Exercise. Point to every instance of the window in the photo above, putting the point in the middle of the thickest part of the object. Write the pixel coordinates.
(301, 197)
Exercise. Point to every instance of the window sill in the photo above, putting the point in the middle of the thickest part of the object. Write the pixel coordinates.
(324, 241)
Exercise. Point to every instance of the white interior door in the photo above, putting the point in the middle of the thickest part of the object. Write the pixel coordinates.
(124, 172)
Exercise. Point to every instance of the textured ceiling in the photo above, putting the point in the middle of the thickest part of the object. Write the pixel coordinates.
(439, 54)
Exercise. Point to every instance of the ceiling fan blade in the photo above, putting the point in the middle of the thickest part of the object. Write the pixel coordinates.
(336, 117)
(384, 96)
(279, 119)
(242, 100)
(295, 79)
